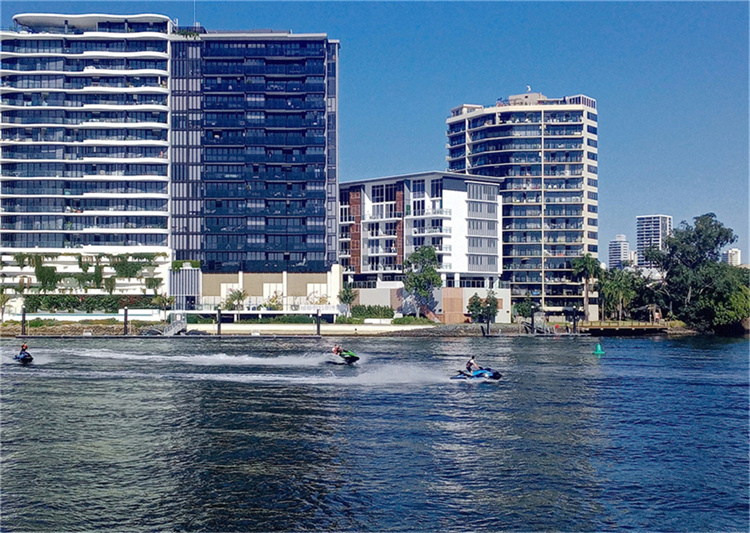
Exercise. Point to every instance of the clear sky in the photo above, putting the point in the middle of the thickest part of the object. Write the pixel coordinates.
(670, 80)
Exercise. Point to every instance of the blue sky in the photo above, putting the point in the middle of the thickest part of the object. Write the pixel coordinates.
(670, 80)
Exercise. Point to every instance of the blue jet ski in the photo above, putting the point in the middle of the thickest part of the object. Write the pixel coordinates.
(483, 374)
(24, 358)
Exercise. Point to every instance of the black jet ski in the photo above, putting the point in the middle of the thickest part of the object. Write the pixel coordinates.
(24, 358)
(348, 356)
(483, 374)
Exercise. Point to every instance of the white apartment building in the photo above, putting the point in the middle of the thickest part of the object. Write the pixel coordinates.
(733, 256)
(85, 147)
(383, 220)
(544, 151)
(619, 251)
(651, 230)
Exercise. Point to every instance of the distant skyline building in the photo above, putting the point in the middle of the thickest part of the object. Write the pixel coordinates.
(651, 230)
(619, 251)
(733, 256)
(543, 152)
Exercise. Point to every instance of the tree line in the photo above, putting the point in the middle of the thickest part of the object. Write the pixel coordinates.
(693, 286)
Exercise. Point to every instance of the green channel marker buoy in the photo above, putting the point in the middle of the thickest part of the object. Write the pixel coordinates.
(598, 350)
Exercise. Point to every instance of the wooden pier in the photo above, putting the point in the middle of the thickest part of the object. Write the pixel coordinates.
(625, 327)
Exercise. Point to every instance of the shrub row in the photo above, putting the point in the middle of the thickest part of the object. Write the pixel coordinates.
(371, 311)
(88, 304)
(411, 320)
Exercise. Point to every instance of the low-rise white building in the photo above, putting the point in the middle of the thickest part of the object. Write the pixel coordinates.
(384, 220)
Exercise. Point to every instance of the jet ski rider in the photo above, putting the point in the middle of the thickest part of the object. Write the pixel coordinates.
(24, 350)
(472, 365)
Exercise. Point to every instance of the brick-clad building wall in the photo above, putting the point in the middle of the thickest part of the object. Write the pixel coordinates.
(400, 224)
(355, 209)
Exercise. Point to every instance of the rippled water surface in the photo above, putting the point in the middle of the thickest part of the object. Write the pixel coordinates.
(252, 434)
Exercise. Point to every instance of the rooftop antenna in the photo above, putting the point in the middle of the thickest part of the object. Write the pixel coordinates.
(194, 2)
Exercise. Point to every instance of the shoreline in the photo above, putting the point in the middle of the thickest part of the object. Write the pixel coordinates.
(77, 330)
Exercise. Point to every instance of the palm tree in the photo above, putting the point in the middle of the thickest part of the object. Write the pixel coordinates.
(164, 302)
(4, 299)
(586, 268)
(617, 289)
(236, 298)
(347, 297)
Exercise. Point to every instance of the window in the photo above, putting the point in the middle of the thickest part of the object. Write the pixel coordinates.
(436, 188)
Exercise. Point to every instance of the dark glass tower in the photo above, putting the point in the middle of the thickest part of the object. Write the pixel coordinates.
(254, 166)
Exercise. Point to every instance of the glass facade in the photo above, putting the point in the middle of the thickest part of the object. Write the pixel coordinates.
(544, 151)
(85, 137)
(254, 166)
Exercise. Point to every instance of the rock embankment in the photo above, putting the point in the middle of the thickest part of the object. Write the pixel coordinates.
(459, 330)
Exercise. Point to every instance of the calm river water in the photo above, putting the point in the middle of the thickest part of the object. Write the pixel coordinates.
(206, 434)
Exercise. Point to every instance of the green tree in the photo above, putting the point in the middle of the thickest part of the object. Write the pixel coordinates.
(163, 302)
(236, 299)
(421, 277)
(474, 308)
(586, 268)
(616, 290)
(489, 307)
(4, 299)
(347, 295)
(525, 308)
(700, 291)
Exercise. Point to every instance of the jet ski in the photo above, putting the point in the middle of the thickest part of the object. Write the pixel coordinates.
(483, 374)
(24, 358)
(348, 356)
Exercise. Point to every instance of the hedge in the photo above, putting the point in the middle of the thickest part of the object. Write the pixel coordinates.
(89, 303)
(371, 311)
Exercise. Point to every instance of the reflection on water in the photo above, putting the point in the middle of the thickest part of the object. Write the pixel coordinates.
(266, 435)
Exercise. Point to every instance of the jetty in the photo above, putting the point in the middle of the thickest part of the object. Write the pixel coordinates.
(625, 327)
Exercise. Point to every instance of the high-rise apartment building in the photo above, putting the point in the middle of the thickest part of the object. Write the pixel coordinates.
(85, 134)
(543, 154)
(85, 144)
(255, 161)
(733, 256)
(619, 251)
(125, 133)
(650, 231)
